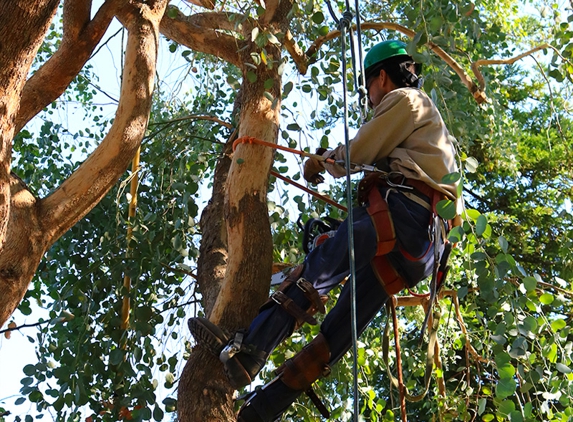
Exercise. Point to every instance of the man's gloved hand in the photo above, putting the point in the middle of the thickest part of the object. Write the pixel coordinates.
(312, 168)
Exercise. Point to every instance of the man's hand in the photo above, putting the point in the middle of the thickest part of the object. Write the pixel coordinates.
(312, 168)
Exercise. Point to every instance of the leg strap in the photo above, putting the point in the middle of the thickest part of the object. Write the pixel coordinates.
(301, 315)
(391, 281)
(293, 309)
(382, 220)
(307, 365)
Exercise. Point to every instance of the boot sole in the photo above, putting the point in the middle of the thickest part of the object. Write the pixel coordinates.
(208, 335)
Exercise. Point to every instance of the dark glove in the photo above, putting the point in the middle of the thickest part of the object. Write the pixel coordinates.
(312, 168)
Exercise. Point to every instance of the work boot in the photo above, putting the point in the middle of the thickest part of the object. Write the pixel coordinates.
(241, 362)
(267, 404)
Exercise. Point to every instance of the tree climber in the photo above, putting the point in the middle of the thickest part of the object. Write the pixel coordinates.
(394, 247)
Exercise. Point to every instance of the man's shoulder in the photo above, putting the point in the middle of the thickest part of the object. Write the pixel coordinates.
(410, 95)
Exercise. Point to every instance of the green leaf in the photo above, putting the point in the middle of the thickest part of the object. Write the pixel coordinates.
(170, 404)
(287, 89)
(505, 388)
(451, 178)
(158, 413)
(530, 283)
(318, 18)
(446, 209)
(564, 369)
(29, 370)
(506, 407)
(172, 12)
(546, 298)
(558, 324)
(481, 405)
(251, 76)
(473, 214)
(116, 357)
(269, 83)
(456, 234)
(481, 225)
(323, 30)
(502, 243)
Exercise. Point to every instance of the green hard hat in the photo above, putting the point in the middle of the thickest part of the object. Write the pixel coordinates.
(383, 51)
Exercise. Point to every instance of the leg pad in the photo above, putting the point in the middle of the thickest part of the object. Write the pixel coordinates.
(307, 366)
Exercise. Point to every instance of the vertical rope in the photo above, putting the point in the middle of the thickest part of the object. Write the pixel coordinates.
(361, 88)
(344, 24)
(401, 386)
(131, 214)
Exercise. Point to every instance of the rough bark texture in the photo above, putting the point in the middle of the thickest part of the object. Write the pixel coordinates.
(34, 224)
(213, 252)
(23, 24)
(241, 287)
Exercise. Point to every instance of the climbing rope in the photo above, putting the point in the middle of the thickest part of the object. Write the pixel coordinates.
(344, 24)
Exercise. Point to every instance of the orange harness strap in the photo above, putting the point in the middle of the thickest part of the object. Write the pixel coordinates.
(378, 210)
(380, 214)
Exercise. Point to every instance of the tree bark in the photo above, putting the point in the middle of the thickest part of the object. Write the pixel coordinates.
(23, 24)
(205, 395)
(81, 36)
(35, 224)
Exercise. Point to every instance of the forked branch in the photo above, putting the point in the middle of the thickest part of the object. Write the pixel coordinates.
(80, 37)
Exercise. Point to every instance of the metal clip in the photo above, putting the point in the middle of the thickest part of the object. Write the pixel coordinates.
(400, 185)
(232, 348)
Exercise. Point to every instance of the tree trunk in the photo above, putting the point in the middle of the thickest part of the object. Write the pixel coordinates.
(23, 24)
(206, 395)
(35, 224)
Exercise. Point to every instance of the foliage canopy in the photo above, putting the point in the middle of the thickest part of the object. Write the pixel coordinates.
(505, 343)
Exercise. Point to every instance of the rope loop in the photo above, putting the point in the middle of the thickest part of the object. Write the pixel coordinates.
(247, 140)
(345, 20)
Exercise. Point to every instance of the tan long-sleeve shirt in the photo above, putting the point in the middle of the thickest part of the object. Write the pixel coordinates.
(407, 130)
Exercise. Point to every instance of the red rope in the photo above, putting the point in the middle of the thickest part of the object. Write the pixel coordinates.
(310, 191)
(252, 140)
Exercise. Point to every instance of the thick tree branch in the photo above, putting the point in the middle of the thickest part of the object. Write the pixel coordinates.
(23, 26)
(479, 96)
(92, 180)
(202, 32)
(81, 36)
(271, 7)
(209, 4)
(299, 57)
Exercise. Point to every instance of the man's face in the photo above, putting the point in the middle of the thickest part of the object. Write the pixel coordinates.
(374, 88)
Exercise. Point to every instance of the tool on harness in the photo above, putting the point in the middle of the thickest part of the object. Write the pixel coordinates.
(317, 230)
